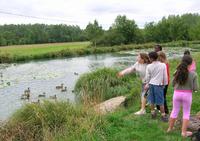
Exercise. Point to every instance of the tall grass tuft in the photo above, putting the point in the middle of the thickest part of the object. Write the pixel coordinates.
(103, 84)
(51, 121)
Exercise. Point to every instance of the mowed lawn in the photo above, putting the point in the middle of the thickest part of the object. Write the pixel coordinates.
(38, 49)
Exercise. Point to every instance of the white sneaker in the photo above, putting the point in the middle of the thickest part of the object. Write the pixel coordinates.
(140, 112)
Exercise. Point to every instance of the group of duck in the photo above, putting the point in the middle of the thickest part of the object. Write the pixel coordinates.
(27, 93)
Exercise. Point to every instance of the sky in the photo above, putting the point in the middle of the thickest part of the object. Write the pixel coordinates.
(81, 12)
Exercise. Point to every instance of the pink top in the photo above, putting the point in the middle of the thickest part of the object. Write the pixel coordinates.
(193, 66)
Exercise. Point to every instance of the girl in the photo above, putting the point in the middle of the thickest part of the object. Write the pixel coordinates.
(163, 59)
(185, 82)
(193, 65)
(140, 68)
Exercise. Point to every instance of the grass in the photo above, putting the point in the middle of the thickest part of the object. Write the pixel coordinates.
(103, 84)
(36, 49)
(10, 54)
(62, 121)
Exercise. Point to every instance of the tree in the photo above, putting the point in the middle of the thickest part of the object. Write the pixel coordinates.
(94, 31)
(127, 28)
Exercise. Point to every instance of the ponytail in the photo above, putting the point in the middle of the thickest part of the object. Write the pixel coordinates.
(181, 75)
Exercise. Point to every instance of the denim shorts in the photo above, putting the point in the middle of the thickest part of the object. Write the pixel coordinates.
(156, 95)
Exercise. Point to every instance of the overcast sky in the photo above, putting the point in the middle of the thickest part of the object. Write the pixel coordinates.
(80, 12)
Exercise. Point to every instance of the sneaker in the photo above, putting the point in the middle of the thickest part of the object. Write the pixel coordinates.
(140, 112)
(153, 115)
(164, 118)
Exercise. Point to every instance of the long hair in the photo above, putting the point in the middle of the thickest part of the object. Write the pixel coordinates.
(162, 57)
(181, 74)
(145, 57)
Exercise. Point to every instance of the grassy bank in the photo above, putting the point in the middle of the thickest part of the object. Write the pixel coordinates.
(63, 121)
(103, 84)
(19, 53)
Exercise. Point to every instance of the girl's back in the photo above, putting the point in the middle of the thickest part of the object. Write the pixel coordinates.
(190, 84)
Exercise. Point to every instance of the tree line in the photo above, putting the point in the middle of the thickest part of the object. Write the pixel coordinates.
(122, 31)
(39, 33)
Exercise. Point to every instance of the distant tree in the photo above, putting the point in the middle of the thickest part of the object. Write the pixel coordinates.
(127, 28)
(111, 38)
(94, 31)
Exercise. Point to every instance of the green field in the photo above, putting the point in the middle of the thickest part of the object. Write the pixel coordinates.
(38, 49)
(61, 121)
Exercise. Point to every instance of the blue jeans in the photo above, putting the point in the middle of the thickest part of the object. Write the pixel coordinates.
(156, 95)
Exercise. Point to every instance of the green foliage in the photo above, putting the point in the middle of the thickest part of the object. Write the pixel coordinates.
(173, 28)
(104, 84)
(127, 28)
(94, 31)
(44, 121)
(39, 33)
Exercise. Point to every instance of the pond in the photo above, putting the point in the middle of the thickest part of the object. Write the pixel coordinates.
(44, 76)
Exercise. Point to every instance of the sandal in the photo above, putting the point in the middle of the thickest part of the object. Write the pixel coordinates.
(186, 134)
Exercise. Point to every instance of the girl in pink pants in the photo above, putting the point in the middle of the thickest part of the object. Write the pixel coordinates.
(185, 82)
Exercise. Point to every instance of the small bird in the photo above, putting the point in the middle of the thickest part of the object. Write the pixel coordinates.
(60, 87)
(24, 97)
(1, 75)
(73, 91)
(42, 95)
(64, 90)
(75, 73)
(27, 91)
(53, 97)
(36, 102)
(8, 83)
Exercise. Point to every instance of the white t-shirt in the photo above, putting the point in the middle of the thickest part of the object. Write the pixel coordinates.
(156, 73)
(140, 70)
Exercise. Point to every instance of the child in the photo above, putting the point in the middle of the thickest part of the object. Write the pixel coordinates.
(193, 66)
(185, 82)
(140, 68)
(163, 59)
(157, 48)
(156, 78)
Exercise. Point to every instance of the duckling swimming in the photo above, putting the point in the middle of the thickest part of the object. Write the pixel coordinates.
(60, 87)
(36, 102)
(25, 97)
(75, 73)
(53, 97)
(64, 90)
(42, 95)
(28, 91)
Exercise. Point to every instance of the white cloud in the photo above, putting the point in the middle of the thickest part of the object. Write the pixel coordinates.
(80, 12)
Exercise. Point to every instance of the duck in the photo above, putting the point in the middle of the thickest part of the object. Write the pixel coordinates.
(8, 83)
(28, 96)
(53, 97)
(60, 87)
(64, 90)
(36, 102)
(42, 95)
(75, 73)
(28, 91)
(24, 97)
(1, 75)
